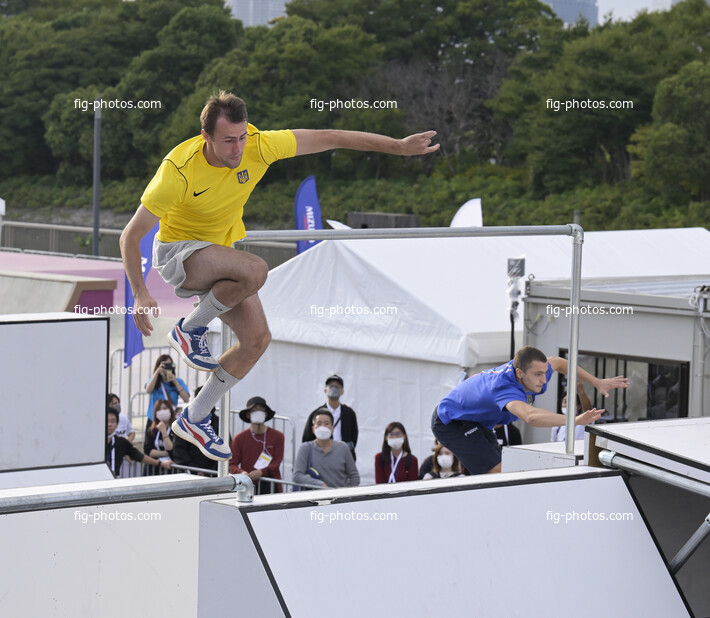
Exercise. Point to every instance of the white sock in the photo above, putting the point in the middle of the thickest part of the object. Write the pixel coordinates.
(208, 309)
(217, 385)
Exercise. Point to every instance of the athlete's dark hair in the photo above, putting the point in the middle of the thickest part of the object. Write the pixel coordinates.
(527, 356)
(222, 104)
(112, 412)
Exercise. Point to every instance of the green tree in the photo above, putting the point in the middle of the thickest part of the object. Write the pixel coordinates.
(674, 151)
(618, 62)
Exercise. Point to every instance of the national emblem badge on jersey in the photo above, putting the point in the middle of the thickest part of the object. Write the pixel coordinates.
(243, 177)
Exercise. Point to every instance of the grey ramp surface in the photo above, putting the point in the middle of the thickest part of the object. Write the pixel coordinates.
(458, 552)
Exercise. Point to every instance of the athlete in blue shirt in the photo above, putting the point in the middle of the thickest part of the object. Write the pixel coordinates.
(463, 422)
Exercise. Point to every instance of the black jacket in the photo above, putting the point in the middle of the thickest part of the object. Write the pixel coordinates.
(348, 427)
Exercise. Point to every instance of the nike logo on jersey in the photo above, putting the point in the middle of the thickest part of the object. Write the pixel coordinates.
(201, 192)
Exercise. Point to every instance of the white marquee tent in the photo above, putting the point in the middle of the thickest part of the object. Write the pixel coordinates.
(442, 307)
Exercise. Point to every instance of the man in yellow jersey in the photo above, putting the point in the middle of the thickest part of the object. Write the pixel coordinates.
(198, 195)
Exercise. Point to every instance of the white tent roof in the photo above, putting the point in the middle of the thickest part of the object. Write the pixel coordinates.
(449, 293)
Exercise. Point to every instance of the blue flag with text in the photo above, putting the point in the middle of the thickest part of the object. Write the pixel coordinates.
(307, 211)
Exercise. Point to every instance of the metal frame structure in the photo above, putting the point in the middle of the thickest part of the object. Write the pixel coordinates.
(571, 229)
(239, 483)
(611, 460)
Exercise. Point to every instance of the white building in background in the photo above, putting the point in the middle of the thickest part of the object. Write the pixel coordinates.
(257, 12)
(569, 11)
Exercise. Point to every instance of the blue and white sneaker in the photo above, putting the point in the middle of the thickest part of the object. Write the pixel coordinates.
(192, 347)
(202, 436)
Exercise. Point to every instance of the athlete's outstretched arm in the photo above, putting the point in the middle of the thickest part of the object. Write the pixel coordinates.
(141, 223)
(537, 417)
(310, 141)
(603, 385)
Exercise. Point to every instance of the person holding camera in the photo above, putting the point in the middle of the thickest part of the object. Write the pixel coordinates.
(165, 385)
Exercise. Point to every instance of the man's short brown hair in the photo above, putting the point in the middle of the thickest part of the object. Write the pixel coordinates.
(526, 356)
(222, 104)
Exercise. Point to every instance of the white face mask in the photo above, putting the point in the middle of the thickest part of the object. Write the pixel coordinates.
(258, 416)
(445, 461)
(322, 433)
(163, 415)
(395, 443)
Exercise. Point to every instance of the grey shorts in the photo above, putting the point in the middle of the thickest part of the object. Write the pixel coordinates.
(168, 258)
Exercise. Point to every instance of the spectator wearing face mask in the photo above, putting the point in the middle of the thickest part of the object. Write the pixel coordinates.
(259, 450)
(344, 418)
(324, 461)
(159, 439)
(165, 385)
(395, 463)
(125, 428)
(444, 464)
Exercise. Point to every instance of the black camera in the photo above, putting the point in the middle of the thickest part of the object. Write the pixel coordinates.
(168, 366)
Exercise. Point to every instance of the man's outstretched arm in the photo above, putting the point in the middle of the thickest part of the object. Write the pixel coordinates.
(537, 417)
(603, 385)
(310, 141)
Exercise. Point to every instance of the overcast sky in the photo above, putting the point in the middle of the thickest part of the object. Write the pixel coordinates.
(626, 9)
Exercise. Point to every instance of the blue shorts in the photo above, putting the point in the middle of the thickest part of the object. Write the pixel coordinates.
(476, 446)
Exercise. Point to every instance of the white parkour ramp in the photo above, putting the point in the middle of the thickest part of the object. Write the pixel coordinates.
(456, 547)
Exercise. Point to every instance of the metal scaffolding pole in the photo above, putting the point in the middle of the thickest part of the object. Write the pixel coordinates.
(239, 483)
(611, 460)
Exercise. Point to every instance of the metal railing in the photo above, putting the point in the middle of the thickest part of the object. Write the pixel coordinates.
(77, 240)
(239, 483)
(571, 229)
(611, 460)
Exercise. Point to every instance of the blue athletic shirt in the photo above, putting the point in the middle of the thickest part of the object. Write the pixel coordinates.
(482, 398)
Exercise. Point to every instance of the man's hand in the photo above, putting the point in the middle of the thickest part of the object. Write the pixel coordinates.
(255, 475)
(143, 306)
(419, 144)
(588, 417)
(609, 384)
(166, 464)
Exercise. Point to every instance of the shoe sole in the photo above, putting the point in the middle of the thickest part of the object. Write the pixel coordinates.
(175, 345)
(186, 435)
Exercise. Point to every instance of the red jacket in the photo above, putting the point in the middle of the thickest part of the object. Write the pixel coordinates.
(407, 469)
(246, 449)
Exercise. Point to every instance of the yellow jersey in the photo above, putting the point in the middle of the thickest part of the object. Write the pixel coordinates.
(197, 201)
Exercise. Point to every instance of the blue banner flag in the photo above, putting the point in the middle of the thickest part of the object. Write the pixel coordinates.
(133, 340)
(307, 211)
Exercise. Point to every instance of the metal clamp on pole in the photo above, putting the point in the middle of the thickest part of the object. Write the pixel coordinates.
(244, 487)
